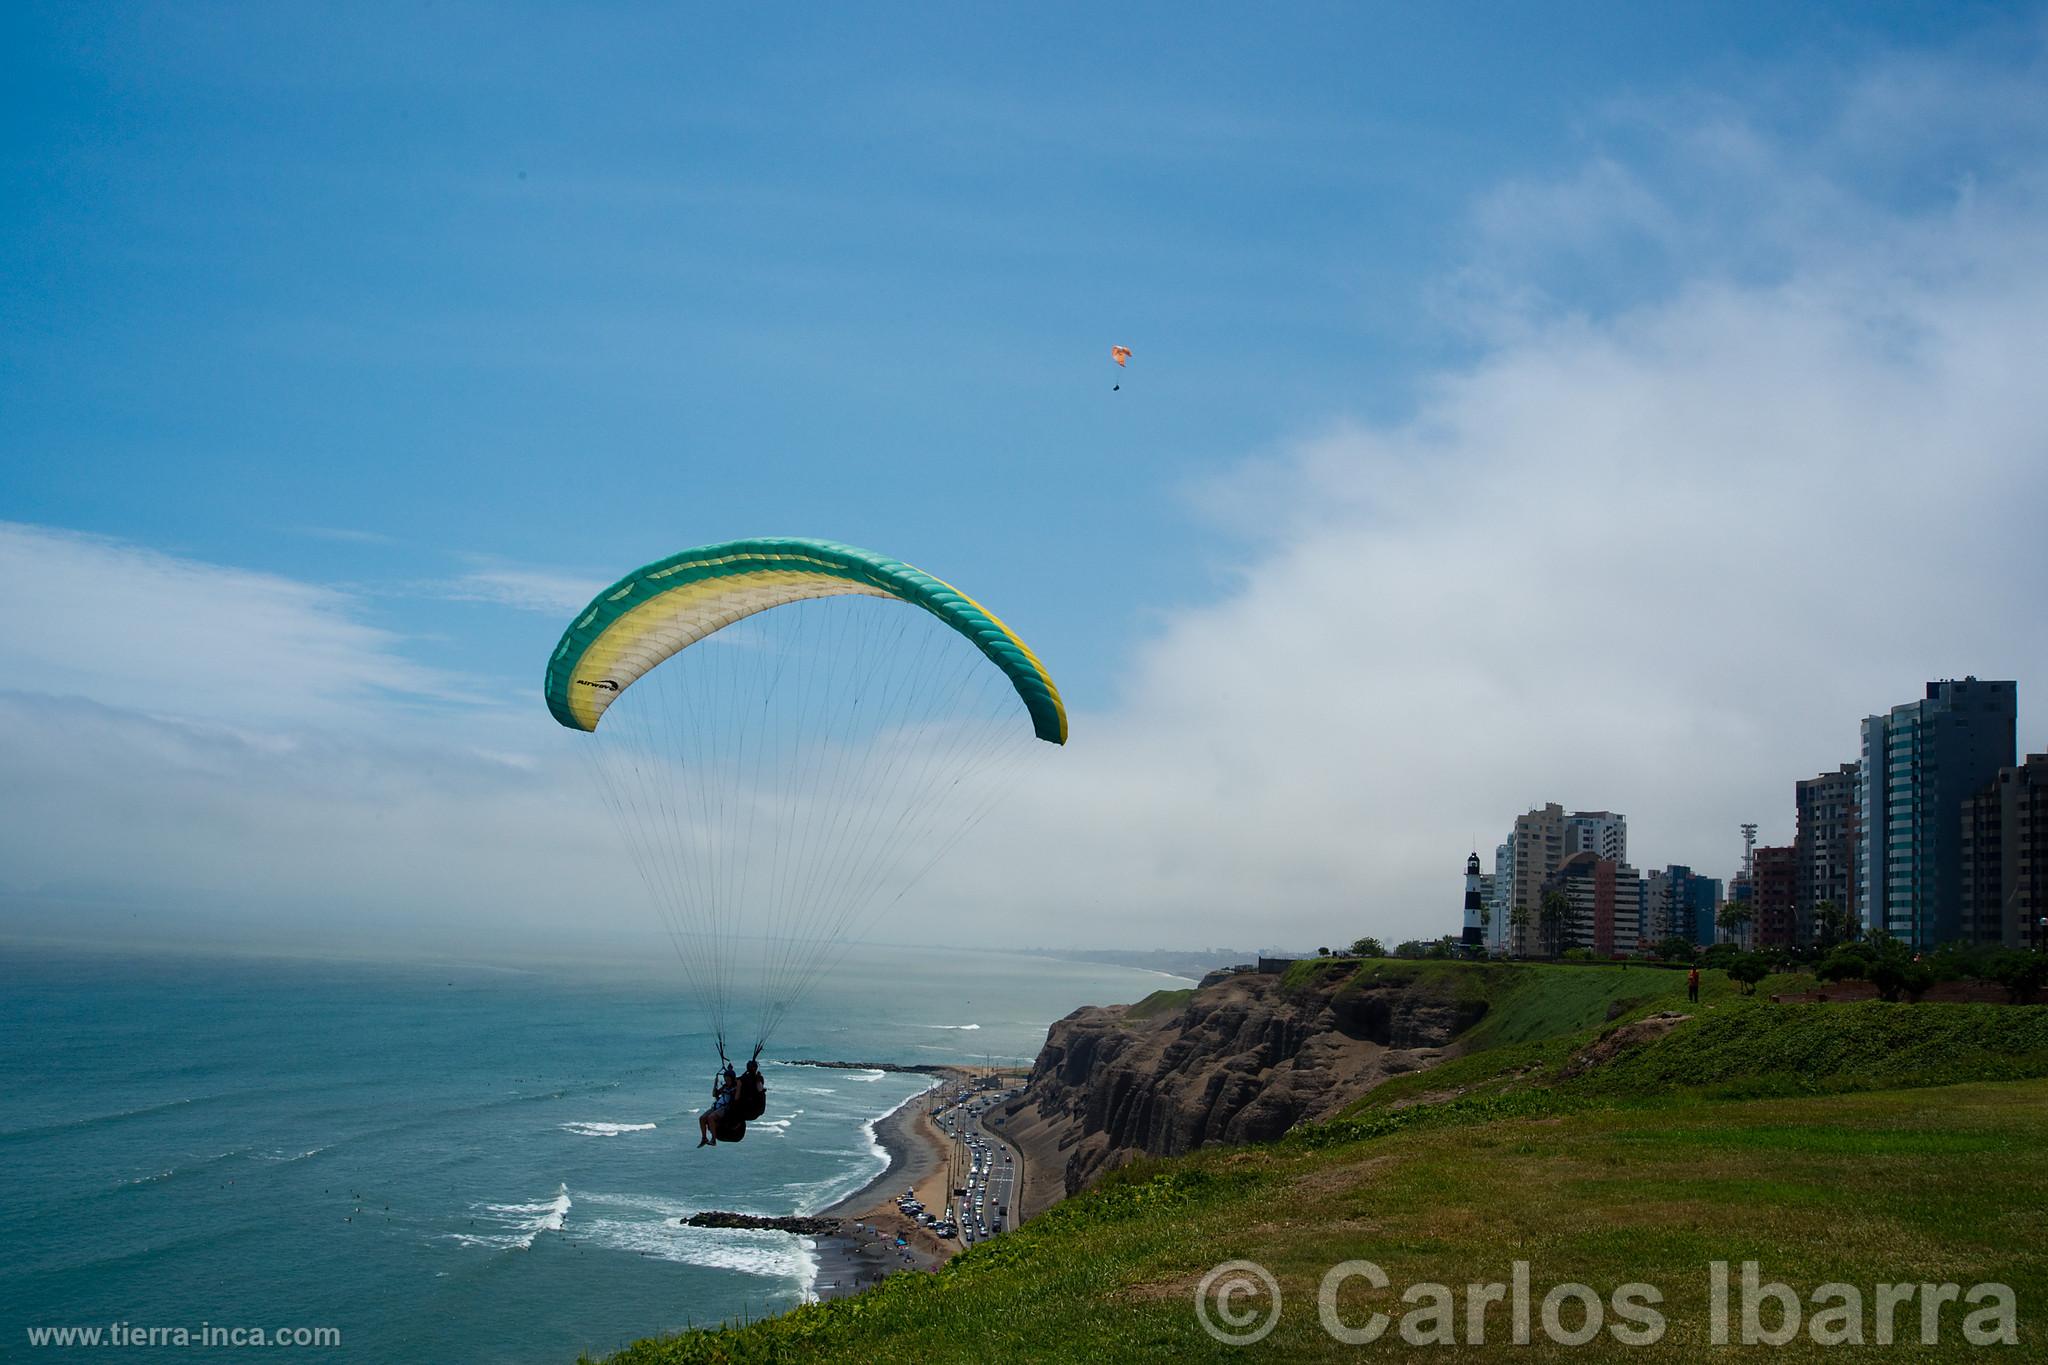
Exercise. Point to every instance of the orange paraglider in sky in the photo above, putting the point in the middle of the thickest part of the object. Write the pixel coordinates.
(1119, 354)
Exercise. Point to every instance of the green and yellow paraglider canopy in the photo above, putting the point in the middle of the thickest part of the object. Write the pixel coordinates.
(659, 610)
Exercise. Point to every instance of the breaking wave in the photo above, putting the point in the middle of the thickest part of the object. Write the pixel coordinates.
(514, 1226)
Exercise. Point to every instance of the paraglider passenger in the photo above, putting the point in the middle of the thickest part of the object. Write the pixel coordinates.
(722, 1092)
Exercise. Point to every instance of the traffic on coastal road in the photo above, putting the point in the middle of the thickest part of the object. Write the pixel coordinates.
(983, 1190)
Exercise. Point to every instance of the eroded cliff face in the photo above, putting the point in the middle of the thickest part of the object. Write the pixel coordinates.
(1243, 1061)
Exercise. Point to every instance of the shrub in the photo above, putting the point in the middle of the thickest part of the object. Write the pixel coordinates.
(2021, 973)
(1749, 969)
(1675, 949)
(1959, 961)
(1850, 962)
(1899, 975)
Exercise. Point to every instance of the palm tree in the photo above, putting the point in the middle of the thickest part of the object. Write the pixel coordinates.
(1518, 922)
(1556, 910)
(1733, 917)
(1831, 925)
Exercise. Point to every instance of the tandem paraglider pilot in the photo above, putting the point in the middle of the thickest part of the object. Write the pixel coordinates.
(735, 1100)
(688, 744)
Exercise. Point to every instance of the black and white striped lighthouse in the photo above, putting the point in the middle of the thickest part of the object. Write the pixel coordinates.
(1475, 929)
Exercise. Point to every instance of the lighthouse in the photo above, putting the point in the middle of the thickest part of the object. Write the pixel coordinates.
(1475, 931)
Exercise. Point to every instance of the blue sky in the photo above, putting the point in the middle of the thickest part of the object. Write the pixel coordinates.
(574, 290)
(436, 315)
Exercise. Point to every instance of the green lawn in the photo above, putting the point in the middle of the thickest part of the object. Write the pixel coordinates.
(1933, 1184)
(1861, 1143)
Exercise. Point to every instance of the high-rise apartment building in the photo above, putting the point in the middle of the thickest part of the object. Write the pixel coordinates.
(1657, 916)
(1500, 896)
(1537, 846)
(1679, 903)
(1826, 844)
(1921, 761)
(1597, 831)
(1606, 904)
(2003, 851)
(1775, 899)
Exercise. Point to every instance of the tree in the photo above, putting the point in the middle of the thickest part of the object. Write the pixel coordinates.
(1556, 909)
(1749, 969)
(1732, 916)
(1719, 955)
(1831, 925)
(1894, 978)
(1518, 920)
(1368, 947)
(1322, 952)
(1849, 962)
(2021, 973)
(1895, 971)
(1674, 949)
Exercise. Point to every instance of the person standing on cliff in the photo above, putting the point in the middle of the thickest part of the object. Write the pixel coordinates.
(1692, 985)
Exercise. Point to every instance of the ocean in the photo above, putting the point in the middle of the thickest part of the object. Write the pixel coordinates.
(463, 1163)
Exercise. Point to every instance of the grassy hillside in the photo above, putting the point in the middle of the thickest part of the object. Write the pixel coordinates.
(1729, 1044)
(1524, 1000)
(1160, 1002)
(1859, 1143)
(1887, 1186)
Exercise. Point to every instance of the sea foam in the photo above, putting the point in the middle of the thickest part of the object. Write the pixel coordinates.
(647, 1225)
(519, 1224)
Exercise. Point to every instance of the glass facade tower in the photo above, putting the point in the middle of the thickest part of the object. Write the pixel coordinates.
(1921, 762)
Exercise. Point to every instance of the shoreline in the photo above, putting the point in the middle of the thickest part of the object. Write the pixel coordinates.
(904, 1149)
(864, 1251)
(874, 1238)
(877, 1239)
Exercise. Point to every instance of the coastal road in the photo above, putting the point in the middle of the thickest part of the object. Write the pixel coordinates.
(1004, 1180)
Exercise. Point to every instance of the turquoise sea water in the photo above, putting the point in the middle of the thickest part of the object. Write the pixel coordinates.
(457, 1163)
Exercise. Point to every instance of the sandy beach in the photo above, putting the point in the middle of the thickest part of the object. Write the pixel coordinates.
(865, 1250)
(874, 1238)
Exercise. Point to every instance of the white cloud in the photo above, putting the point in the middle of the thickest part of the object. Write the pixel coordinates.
(178, 733)
(1656, 552)
(1658, 559)
(128, 626)
(313, 835)
(541, 590)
